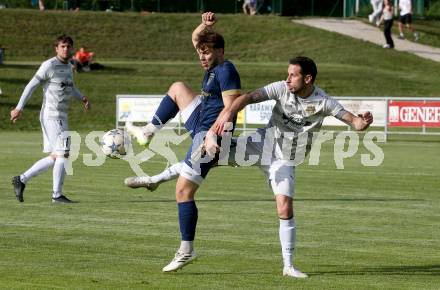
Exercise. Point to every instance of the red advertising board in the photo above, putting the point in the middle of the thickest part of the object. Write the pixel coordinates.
(414, 113)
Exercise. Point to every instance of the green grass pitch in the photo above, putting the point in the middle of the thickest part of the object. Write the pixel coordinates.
(358, 228)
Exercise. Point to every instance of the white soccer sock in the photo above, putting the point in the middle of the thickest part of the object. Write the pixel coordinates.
(287, 239)
(150, 129)
(58, 176)
(171, 172)
(186, 246)
(38, 167)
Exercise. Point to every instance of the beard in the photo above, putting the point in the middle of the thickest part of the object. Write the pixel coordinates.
(298, 89)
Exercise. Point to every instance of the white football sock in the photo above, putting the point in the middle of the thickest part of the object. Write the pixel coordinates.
(38, 167)
(287, 239)
(171, 172)
(150, 129)
(186, 246)
(58, 176)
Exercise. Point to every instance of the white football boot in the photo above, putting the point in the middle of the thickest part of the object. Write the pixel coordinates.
(180, 260)
(143, 137)
(294, 273)
(143, 181)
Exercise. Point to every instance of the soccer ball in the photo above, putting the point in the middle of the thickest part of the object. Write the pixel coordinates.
(113, 143)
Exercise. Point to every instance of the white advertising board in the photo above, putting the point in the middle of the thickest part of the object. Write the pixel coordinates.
(376, 107)
(259, 113)
(141, 108)
(138, 108)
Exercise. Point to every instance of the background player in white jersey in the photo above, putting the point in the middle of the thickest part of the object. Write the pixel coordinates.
(55, 74)
(300, 109)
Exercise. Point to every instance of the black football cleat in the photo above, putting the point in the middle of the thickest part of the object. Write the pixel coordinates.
(61, 199)
(18, 188)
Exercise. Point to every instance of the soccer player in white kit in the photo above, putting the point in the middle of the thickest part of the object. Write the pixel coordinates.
(56, 76)
(300, 109)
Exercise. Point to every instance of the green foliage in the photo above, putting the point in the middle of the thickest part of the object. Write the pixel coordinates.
(18, 3)
(434, 11)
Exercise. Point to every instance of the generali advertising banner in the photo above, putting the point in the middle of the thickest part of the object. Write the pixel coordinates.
(414, 113)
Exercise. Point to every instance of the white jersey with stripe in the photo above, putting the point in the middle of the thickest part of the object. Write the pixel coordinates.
(293, 115)
(58, 88)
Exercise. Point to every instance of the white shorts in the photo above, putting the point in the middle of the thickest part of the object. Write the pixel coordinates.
(187, 112)
(280, 173)
(281, 177)
(191, 174)
(55, 136)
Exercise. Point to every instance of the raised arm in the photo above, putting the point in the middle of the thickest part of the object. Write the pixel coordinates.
(208, 20)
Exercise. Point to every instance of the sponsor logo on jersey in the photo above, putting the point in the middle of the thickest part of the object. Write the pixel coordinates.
(295, 119)
(310, 110)
(66, 84)
(204, 94)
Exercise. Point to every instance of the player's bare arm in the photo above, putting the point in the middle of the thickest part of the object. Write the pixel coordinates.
(208, 20)
(210, 144)
(360, 122)
(228, 113)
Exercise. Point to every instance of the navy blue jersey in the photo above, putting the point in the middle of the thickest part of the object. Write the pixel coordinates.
(220, 79)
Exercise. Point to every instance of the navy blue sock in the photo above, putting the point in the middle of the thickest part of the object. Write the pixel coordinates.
(188, 214)
(167, 110)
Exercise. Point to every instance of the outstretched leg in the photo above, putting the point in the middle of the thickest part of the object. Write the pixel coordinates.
(178, 97)
(152, 182)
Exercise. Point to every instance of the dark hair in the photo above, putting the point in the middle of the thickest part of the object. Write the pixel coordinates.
(211, 39)
(63, 39)
(308, 66)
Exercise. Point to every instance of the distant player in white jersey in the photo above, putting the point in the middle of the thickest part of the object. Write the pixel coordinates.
(56, 76)
(299, 111)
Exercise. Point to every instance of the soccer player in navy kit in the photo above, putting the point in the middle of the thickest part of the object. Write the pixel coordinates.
(220, 86)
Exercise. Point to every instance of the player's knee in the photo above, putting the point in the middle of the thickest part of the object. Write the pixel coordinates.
(183, 194)
(176, 88)
(285, 212)
(55, 155)
(285, 208)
